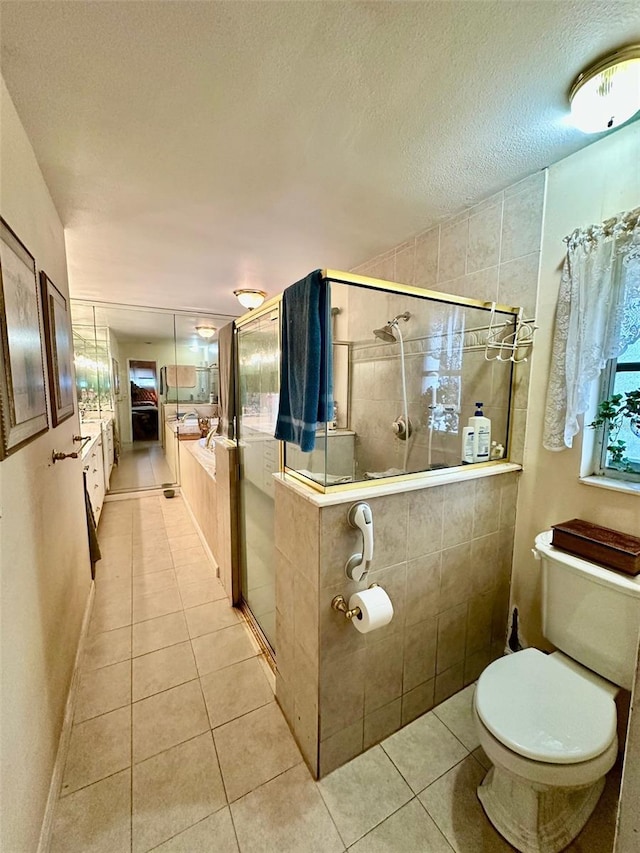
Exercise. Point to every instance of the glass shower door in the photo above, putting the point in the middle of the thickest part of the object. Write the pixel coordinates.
(258, 347)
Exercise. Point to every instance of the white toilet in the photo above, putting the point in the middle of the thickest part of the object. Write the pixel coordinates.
(547, 722)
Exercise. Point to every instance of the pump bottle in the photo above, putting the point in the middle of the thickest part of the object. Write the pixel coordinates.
(481, 434)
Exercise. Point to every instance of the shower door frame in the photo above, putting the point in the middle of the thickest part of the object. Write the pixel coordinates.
(268, 307)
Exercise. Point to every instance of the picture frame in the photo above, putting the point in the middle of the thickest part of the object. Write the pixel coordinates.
(59, 348)
(23, 399)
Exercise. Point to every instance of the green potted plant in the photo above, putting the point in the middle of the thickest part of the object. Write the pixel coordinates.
(611, 415)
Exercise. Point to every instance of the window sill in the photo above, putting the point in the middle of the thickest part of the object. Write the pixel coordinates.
(625, 486)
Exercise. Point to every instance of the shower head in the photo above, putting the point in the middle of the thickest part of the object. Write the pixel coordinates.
(386, 333)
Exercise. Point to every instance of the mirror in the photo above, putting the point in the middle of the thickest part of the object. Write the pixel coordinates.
(153, 376)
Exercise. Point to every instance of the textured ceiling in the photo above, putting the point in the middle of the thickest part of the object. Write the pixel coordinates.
(195, 147)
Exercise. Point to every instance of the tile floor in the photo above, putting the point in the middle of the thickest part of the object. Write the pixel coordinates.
(142, 465)
(178, 745)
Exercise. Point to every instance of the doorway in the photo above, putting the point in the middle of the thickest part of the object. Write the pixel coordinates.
(143, 388)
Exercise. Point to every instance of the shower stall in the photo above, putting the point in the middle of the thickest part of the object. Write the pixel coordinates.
(406, 386)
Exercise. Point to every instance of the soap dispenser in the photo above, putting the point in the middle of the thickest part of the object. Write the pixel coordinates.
(481, 434)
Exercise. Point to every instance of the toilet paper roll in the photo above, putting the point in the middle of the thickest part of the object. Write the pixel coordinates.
(376, 609)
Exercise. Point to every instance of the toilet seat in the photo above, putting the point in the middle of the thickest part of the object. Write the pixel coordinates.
(539, 708)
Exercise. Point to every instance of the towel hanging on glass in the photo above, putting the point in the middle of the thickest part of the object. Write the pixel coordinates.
(306, 369)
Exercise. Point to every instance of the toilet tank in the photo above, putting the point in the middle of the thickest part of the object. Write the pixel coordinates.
(589, 612)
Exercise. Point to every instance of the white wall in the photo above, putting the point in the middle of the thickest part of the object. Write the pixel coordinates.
(44, 561)
(589, 186)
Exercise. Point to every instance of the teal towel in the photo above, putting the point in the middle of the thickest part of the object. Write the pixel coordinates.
(306, 364)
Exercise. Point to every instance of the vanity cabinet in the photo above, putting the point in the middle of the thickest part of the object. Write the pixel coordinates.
(94, 468)
(107, 451)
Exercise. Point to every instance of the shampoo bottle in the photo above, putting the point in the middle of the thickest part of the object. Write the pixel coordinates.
(467, 444)
(481, 435)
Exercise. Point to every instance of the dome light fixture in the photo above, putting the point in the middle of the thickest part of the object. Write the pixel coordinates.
(205, 331)
(250, 298)
(607, 94)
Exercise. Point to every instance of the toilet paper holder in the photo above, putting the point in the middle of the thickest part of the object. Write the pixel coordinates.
(339, 603)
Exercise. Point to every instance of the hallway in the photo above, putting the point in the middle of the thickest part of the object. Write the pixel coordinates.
(142, 465)
(178, 745)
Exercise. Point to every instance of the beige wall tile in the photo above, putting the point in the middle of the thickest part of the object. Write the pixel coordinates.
(482, 284)
(423, 588)
(522, 221)
(306, 615)
(518, 283)
(417, 701)
(382, 722)
(483, 249)
(341, 747)
(342, 682)
(405, 264)
(454, 575)
(390, 530)
(297, 531)
(448, 683)
(500, 614)
(453, 250)
(480, 621)
(476, 663)
(426, 263)
(458, 513)
(425, 521)
(486, 512)
(394, 582)
(337, 636)
(452, 630)
(419, 653)
(284, 586)
(483, 574)
(383, 674)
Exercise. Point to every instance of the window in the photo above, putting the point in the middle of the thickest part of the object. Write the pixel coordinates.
(618, 447)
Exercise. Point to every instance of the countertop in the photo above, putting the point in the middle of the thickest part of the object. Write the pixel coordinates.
(206, 458)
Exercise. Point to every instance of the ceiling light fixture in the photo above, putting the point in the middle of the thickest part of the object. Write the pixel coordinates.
(250, 298)
(206, 332)
(607, 94)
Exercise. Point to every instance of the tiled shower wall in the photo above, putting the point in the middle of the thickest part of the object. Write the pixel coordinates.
(443, 555)
(376, 384)
(489, 252)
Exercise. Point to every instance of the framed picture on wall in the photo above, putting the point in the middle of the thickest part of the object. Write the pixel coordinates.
(23, 402)
(59, 346)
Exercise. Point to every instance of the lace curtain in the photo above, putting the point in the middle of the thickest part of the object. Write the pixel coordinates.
(597, 318)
